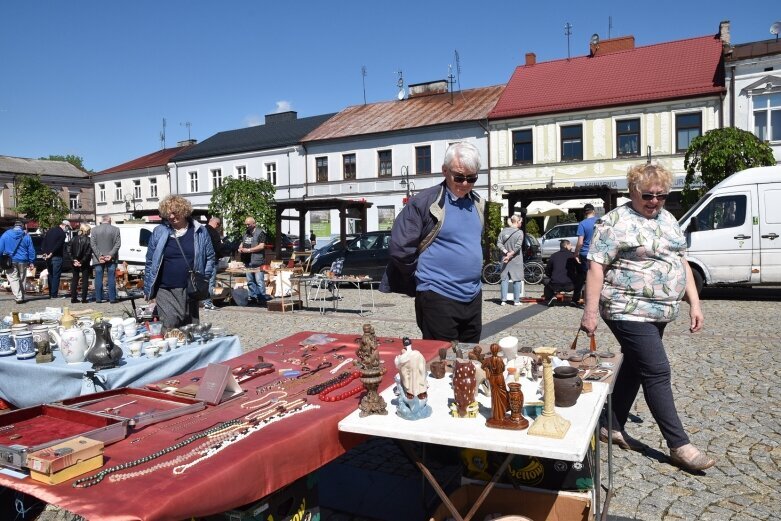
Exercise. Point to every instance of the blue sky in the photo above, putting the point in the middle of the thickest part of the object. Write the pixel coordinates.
(95, 78)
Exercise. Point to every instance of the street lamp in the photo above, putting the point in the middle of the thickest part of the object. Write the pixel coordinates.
(405, 180)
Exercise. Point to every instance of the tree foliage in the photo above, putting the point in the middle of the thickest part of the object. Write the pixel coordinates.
(39, 202)
(76, 161)
(237, 199)
(717, 155)
(493, 225)
(532, 228)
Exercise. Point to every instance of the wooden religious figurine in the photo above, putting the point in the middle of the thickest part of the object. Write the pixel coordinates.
(368, 361)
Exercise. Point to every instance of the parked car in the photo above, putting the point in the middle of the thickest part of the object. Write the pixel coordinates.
(40, 262)
(366, 254)
(531, 248)
(297, 241)
(550, 242)
(134, 239)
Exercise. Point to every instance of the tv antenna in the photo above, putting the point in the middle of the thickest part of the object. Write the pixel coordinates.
(775, 29)
(188, 125)
(162, 136)
(568, 33)
(363, 78)
(458, 69)
(400, 85)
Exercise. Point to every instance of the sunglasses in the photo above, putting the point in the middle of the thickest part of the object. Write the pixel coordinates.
(471, 179)
(648, 197)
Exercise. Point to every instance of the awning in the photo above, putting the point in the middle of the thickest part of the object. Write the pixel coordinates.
(544, 209)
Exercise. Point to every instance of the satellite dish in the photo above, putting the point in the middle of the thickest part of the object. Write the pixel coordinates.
(400, 95)
(594, 40)
(775, 28)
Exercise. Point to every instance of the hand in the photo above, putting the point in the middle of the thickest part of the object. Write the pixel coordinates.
(696, 317)
(577, 258)
(589, 322)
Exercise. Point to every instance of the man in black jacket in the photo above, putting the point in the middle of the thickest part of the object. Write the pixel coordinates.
(52, 247)
(562, 270)
(213, 227)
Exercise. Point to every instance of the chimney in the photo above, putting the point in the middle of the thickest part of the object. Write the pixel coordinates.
(531, 58)
(281, 117)
(428, 88)
(186, 142)
(622, 43)
(724, 33)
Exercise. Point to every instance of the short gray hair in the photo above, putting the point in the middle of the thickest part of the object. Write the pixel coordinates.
(106, 219)
(466, 153)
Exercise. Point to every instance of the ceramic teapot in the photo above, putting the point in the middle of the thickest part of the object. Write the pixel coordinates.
(103, 352)
(74, 342)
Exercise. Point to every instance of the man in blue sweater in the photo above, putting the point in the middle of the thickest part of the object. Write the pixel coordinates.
(585, 233)
(16, 243)
(436, 253)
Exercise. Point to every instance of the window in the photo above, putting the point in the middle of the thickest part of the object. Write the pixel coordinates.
(271, 173)
(193, 182)
(348, 166)
(723, 212)
(241, 172)
(152, 187)
(102, 192)
(216, 177)
(73, 202)
(117, 191)
(767, 117)
(385, 163)
(572, 143)
(321, 169)
(687, 127)
(628, 137)
(523, 150)
(136, 189)
(423, 160)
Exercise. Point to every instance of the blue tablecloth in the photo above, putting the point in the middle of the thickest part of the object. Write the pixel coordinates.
(25, 383)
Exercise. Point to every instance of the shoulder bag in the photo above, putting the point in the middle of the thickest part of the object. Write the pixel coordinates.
(197, 283)
(6, 260)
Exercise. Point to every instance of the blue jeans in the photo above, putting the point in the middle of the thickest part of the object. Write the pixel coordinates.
(111, 267)
(54, 265)
(645, 363)
(517, 285)
(256, 284)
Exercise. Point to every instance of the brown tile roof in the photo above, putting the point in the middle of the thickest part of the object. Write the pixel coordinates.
(670, 70)
(424, 111)
(742, 51)
(159, 158)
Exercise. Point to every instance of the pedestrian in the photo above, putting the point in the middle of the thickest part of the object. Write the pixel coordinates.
(637, 279)
(561, 271)
(585, 233)
(312, 238)
(105, 241)
(510, 243)
(177, 246)
(18, 244)
(436, 253)
(213, 227)
(53, 246)
(252, 249)
(81, 257)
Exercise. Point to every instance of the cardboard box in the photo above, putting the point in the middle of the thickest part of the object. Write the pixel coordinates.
(82, 467)
(537, 505)
(62, 455)
(296, 502)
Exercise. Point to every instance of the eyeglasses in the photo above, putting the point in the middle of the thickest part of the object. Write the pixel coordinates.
(459, 178)
(648, 197)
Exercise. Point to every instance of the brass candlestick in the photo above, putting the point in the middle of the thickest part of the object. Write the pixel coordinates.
(549, 424)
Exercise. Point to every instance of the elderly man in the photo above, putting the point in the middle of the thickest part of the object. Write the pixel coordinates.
(252, 249)
(562, 270)
(53, 247)
(436, 253)
(16, 243)
(105, 241)
(213, 227)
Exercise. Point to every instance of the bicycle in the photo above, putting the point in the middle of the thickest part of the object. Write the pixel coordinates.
(533, 271)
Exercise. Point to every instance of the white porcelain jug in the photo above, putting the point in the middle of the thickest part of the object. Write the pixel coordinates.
(74, 343)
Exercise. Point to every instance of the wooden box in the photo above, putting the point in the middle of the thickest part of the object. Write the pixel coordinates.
(286, 304)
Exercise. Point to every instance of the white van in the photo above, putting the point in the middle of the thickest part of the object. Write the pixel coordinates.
(135, 239)
(734, 231)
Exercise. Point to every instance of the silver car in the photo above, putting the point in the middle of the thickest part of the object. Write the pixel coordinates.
(550, 242)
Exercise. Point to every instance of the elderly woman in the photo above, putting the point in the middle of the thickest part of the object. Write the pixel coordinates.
(637, 279)
(510, 243)
(176, 246)
(81, 255)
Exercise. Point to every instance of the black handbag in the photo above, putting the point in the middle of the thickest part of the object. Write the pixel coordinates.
(7, 260)
(197, 283)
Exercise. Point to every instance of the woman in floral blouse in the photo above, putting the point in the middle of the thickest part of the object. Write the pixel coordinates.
(644, 276)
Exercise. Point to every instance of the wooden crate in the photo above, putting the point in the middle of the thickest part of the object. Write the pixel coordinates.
(283, 305)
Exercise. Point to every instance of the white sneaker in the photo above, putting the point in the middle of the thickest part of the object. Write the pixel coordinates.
(502, 303)
(516, 303)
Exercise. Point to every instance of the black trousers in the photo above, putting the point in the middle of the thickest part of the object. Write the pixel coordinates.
(442, 318)
(553, 288)
(581, 278)
(84, 273)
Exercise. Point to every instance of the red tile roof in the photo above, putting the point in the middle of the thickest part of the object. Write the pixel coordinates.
(664, 71)
(159, 158)
(387, 116)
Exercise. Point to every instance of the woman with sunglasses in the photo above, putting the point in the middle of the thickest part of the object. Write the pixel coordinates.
(637, 279)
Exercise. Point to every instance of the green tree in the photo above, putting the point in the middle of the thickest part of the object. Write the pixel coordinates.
(238, 198)
(493, 225)
(717, 155)
(76, 161)
(532, 228)
(39, 202)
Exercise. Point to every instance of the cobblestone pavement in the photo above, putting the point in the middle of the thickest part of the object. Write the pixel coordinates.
(725, 379)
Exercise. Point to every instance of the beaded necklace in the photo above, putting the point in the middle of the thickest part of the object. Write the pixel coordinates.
(323, 395)
(272, 396)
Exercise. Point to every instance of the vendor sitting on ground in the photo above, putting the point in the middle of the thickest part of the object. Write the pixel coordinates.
(562, 272)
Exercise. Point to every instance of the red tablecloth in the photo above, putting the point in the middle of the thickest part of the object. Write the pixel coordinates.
(243, 472)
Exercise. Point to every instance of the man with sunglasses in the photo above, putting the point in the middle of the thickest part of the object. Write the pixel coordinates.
(435, 250)
(585, 232)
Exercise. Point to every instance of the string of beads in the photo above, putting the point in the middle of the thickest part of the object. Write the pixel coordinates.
(324, 394)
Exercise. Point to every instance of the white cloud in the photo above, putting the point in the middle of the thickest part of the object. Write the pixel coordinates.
(283, 106)
(253, 120)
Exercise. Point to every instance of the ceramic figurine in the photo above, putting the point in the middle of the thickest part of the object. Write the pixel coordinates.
(368, 361)
(439, 367)
(476, 356)
(500, 404)
(464, 388)
(413, 397)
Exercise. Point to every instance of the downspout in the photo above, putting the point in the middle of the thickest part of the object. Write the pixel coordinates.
(732, 97)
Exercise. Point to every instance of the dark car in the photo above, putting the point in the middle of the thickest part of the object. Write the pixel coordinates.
(366, 254)
(40, 263)
(531, 248)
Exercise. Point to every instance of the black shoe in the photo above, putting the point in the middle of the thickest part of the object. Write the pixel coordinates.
(112, 301)
(22, 301)
(74, 301)
(579, 306)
